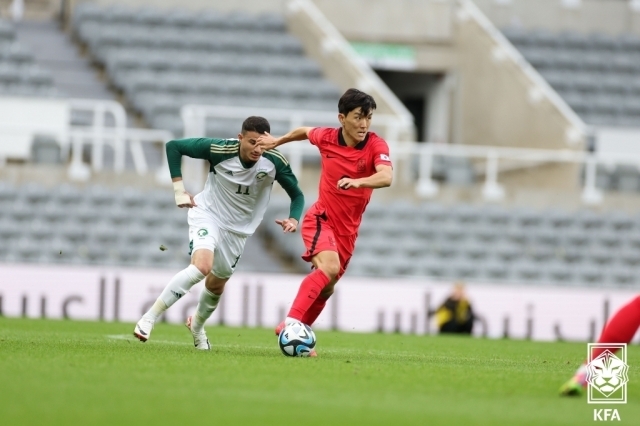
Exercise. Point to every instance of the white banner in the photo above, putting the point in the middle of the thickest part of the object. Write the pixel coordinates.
(360, 304)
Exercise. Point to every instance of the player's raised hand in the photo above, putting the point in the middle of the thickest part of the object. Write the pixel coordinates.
(346, 183)
(266, 141)
(288, 225)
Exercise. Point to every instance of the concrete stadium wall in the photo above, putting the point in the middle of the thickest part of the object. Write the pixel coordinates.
(497, 105)
(608, 16)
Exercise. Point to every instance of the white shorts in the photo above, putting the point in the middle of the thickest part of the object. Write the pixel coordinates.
(227, 247)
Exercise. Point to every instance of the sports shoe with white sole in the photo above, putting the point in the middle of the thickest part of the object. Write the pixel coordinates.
(200, 340)
(143, 329)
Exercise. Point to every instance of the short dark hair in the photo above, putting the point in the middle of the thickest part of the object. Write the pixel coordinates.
(354, 98)
(256, 124)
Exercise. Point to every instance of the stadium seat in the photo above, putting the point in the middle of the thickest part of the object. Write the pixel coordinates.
(494, 271)
(592, 72)
(591, 275)
(559, 274)
(434, 268)
(135, 47)
(528, 272)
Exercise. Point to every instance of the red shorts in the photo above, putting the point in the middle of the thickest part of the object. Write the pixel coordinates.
(318, 236)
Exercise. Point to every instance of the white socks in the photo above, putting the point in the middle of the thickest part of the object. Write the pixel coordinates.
(179, 285)
(207, 304)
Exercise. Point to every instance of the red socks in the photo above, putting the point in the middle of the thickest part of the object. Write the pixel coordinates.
(622, 326)
(307, 295)
(316, 309)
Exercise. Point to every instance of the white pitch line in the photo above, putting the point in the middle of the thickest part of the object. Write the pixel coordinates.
(133, 339)
(172, 342)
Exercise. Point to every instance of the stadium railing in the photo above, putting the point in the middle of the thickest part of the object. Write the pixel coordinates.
(426, 187)
(195, 116)
(119, 137)
(97, 134)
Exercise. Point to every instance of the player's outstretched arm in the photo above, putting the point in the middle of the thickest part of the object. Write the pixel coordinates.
(381, 179)
(194, 148)
(268, 141)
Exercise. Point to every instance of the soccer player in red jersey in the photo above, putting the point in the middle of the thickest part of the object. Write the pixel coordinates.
(354, 163)
(621, 328)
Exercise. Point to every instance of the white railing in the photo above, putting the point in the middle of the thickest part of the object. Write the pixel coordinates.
(194, 117)
(539, 89)
(118, 137)
(115, 137)
(492, 190)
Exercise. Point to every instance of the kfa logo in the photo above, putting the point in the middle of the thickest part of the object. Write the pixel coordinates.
(607, 374)
(606, 415)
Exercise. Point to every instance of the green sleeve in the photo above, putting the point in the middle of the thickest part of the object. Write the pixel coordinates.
(194, 148)
(289, 182)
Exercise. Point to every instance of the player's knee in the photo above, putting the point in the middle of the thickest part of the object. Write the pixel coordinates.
(203, 266)
(331, 269)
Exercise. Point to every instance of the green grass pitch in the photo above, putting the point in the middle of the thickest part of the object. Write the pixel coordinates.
(91, 373)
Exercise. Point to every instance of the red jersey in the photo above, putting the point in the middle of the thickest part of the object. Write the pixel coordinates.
(344, 207)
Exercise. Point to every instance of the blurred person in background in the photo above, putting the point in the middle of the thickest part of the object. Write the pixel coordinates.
(455, 315)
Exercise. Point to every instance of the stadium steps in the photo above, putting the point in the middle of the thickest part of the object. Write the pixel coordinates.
(76, 77)
(596, 73)
(53, 49)
(160, 61)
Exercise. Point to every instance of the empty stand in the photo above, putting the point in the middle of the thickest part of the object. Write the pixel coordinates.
(597, 75)
(488, 243)
(20, 75)
(163, 60)
(97, 226)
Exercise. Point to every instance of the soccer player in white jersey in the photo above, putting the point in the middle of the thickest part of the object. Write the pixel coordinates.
(222, 216)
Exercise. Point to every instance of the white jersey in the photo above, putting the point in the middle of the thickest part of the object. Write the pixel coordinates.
(237, 196)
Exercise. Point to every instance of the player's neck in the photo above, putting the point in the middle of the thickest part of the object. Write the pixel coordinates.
(247, 164)
(348, 139)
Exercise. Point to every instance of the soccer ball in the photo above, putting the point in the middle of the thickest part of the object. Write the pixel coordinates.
(296, 339)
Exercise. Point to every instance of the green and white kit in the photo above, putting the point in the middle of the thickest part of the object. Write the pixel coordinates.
(235, 196)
